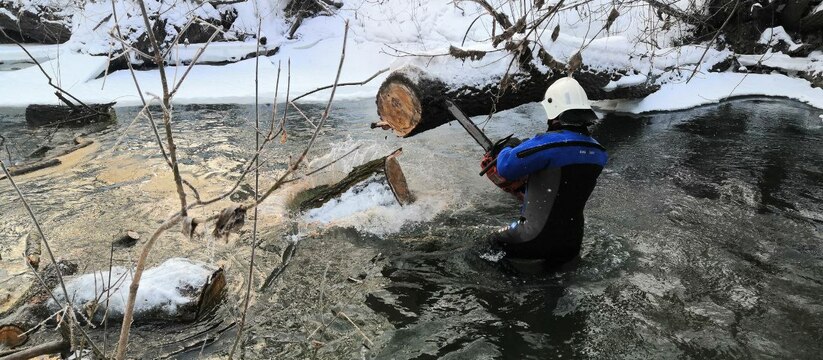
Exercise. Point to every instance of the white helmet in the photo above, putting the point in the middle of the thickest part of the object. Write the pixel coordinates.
(565, 94)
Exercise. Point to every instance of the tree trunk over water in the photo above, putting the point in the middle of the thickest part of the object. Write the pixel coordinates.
(410, 100)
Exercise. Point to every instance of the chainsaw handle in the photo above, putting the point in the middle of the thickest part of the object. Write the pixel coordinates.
(488, 167)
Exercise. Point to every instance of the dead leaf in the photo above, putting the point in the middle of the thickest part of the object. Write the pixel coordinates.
(283, 137)
(231, 219)
(575, 62)
(556, 32)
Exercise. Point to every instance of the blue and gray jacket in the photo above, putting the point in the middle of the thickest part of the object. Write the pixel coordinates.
(562, 169)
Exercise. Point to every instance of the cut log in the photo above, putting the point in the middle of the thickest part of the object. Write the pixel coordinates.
(12, 336)
(410, 100)
(33, 248)
(176, 290)
(387, 166)
(54, 347)
(126, 239)
(52, 115)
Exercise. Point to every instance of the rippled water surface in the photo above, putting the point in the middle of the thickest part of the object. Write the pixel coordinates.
(703, 237)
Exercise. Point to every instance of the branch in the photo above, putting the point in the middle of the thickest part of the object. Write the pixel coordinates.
(709, 46)
(501, 18)
(342, 84)
(44, 72)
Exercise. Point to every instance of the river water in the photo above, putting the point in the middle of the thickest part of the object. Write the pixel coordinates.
(703, 237)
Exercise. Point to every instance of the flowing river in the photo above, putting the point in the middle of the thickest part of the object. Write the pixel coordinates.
(703, 237)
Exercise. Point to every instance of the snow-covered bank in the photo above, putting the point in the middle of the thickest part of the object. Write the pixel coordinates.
(389, 34)
(716, 87)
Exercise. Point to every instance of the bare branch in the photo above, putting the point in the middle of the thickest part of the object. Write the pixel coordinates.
(342, 84)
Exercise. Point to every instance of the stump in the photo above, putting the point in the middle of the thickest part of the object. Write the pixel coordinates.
(387, 165)
(75, 115)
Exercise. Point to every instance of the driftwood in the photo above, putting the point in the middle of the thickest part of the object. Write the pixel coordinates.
(69, 115)
(53, 160)
(55, 347)
(387, 166)
(410, 100)
(31, 167)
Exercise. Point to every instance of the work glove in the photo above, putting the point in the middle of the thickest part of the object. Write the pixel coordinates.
(512, 187)
(502, 144)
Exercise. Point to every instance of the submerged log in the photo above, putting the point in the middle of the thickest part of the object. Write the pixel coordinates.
(176, 290)
(410, 100)
(387, 166)
(52, 115)
(53, 160)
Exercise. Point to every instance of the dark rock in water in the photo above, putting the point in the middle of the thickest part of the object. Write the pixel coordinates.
(49, 115)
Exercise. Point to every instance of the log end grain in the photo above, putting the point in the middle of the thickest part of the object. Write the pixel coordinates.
(12, 336)
(399, 106)
(397, 180)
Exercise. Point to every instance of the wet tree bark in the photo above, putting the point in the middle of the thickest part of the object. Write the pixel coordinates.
(49, 115)
(386, 165)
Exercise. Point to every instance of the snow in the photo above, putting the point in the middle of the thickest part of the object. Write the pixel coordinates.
(160, 287)
(713, 88)
(773, 36)
(390, 34)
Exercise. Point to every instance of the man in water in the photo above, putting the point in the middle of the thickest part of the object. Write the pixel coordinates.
(553, 173)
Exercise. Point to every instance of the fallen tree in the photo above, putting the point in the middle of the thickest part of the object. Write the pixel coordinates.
(410, 100)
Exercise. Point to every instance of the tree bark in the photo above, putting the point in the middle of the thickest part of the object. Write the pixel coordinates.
(54, 347)
(410, 100)
(387, 166)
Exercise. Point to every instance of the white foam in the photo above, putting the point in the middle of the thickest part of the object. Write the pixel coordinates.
(371, 207)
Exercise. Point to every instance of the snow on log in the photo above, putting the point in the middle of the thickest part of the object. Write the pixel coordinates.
(410, 100)
(385, 169)
(178, 289)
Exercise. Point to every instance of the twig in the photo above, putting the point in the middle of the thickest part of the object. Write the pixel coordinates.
(320, 124)
(709, 45)
(256, 187)
(302, 114)
(46, 74)
(342, 84)
(39, 230)
(356, 327)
